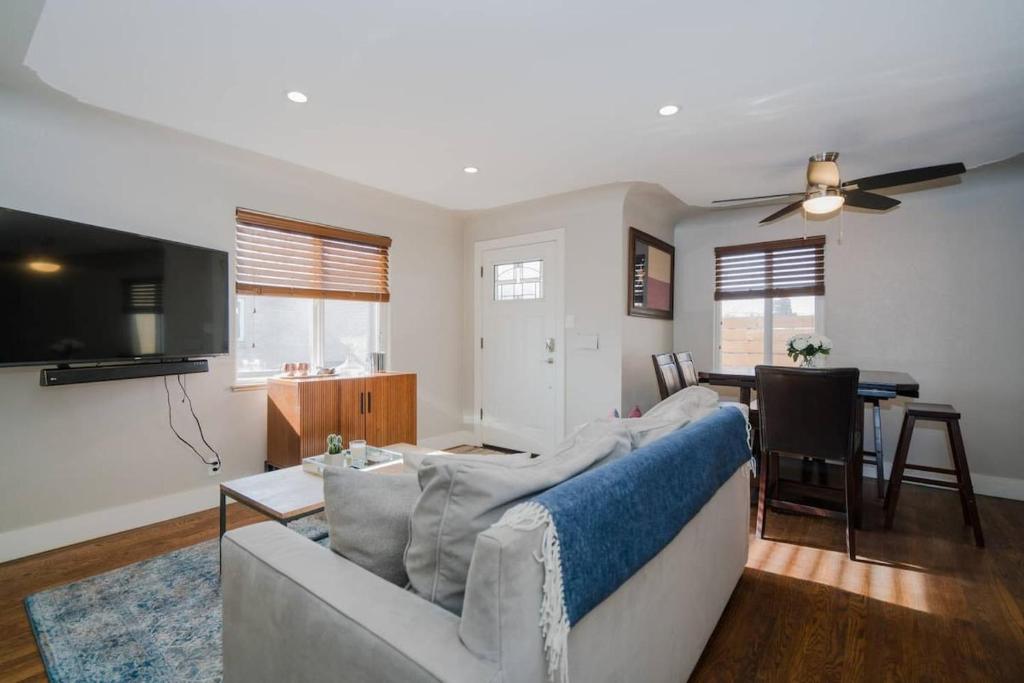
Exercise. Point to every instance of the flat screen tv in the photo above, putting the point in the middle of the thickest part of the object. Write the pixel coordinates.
(76, 293)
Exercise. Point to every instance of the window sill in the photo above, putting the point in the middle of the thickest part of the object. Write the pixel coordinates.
(250, 386)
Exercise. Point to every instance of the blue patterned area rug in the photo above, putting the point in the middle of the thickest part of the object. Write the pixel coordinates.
(155, 620)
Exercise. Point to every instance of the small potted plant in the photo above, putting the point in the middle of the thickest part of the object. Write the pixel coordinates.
(809, 349)
(334, 450)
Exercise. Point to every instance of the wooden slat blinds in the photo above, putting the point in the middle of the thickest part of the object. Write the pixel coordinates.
(280, 256)
(793, 267)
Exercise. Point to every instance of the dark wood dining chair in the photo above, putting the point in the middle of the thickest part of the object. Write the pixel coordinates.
(667, 373)
(809, 413)
(687, 368)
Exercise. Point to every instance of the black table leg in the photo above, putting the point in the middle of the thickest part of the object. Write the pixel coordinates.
(223, 528)
(876, 410)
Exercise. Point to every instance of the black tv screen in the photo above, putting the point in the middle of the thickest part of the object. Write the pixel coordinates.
(74, 293)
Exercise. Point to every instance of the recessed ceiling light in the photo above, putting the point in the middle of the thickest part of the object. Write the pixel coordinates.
(669, 110)
(471, 169)
(44, 266)
(297, 97)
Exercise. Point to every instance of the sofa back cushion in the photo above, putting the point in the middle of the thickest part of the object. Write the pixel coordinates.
(462, 496)
(368, 518)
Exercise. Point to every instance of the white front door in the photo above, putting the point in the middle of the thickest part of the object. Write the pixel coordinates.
(521, 368)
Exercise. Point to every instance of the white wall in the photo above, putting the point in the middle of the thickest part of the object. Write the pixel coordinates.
(596, 222)
(594, 288)
(933, 288)
(653, 210)
(81, 461)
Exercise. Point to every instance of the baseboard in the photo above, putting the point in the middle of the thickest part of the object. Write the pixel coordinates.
(984, 484)
(70, 530)
(442, 441)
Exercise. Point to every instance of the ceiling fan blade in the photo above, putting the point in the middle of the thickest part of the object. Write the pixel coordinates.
(913, 175)
(869, 200)
(764, 196)
(782, 212)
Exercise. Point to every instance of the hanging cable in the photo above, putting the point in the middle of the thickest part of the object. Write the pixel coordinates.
(170, 422)
(184, 391)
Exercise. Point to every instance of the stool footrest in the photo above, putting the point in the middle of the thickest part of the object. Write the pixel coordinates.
(931, 482)
(929, 468)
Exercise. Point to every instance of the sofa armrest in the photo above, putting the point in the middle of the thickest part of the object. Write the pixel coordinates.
(295, 611)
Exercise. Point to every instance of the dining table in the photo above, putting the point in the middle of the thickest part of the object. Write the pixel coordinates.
(875, 386)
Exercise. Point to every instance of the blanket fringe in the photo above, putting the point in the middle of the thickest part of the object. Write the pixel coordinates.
(554, 621)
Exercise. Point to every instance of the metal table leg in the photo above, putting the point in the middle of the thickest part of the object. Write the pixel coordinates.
(876, 410)
(223, 528)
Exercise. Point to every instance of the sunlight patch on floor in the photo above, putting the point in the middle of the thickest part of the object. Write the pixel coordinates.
(904, 585)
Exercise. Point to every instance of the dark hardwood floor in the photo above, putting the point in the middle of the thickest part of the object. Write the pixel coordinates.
(920, 604)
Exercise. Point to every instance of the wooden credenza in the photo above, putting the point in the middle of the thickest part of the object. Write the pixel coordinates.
(301, 412)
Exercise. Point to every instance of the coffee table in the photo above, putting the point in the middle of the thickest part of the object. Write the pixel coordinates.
(284, 495)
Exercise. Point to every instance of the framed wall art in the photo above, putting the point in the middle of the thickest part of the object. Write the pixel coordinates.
(651, 272)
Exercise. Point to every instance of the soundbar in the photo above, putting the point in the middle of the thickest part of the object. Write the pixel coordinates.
(60, 376)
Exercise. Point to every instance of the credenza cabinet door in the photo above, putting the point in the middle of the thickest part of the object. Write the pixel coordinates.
(352, 407)
(390, 409)
(319, 401)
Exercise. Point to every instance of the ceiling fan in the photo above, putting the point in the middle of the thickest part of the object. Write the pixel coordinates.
(826, 192)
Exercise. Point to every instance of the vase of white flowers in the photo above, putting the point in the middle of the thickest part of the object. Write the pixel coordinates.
(809, 349)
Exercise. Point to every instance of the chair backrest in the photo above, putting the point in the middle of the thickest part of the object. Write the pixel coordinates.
(667, 373)
(808, 411)
(687, 368)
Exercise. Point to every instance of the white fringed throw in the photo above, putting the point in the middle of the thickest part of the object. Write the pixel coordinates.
(554, 620)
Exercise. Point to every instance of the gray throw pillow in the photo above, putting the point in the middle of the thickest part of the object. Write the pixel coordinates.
(368, 518)
(464, 495)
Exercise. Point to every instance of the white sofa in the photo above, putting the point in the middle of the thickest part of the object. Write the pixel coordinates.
(295, 611)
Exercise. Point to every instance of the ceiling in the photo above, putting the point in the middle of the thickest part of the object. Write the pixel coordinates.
(546, 96)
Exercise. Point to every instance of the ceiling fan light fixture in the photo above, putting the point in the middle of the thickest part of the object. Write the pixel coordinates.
(823, 201)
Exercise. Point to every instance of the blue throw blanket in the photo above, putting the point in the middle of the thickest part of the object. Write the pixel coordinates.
(605, 524)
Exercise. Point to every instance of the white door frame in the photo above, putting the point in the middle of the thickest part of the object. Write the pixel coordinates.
(558, 237)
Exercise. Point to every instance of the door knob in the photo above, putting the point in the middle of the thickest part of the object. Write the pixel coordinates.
(549, 361)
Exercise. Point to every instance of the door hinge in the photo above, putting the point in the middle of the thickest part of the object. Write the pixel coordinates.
(481, 271)
(481, 342)
(481, 413)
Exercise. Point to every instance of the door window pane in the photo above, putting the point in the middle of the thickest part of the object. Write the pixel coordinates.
(519, 281)
(742, 333)
(271, 331)
(350, 333)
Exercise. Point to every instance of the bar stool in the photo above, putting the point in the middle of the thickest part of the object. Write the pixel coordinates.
(936, 412)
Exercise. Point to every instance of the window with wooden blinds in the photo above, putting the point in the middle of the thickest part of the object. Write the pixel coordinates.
(793, 267)
(277, 256)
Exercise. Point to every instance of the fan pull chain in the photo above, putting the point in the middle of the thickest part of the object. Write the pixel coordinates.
(841, 212)
(805, 223)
